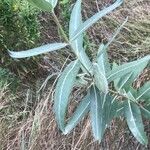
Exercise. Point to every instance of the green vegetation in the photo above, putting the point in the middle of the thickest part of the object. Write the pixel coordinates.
(97, 88)
(19, 25)
(20, 29)
(97, 76)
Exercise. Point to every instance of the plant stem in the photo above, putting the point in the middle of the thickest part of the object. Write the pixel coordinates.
(60, 27)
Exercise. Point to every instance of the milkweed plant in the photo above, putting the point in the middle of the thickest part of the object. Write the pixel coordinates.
(102, 101)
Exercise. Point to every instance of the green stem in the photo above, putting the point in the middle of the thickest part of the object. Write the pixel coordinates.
(60, 27)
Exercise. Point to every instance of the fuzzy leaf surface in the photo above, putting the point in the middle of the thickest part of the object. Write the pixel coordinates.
(116, 109)
(63, 90)
(101, 112)
(80, 112)
(77, 44)
(145, 110)
(144, 92)
(36, 51)
(102, 57)
(88, 23)
(100, 76)
(122, 70)
(134, 121)
(53, 2)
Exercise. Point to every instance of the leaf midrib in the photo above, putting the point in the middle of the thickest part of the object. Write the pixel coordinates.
(142, 94)
(79, 115)
(125, 69)
(96, 113)
(60, 96)
(132, 118)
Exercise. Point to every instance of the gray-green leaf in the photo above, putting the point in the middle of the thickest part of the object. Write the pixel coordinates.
(36, 51)
(144, 92)
(122, 70)
(100, 76)
(116, 108)
(63, 90)
(98, 124)
(134, 121)
(123, 83)
(95, 18)
(102, 56)
(77, 45)
(145, 110)
(80, 112)
(102, 112)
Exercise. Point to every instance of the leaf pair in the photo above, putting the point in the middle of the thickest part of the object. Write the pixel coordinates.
(102, 112)
(133, 112)
(88, 23)
(124, 76)
(104, 108)
(77, 27)
(63, 90)
(77, 44)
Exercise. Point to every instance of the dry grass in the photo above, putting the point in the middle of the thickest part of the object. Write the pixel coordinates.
(133, 41)
(27, 121)
(34, 128)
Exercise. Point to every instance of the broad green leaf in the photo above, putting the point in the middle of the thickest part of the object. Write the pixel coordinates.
(36, 51)
(144, 92)
(77, 45)
(102, 56)
(122, 70)
(83, 27)
(80, 112)
(63, 90)
(100, 76)
(101, 112)
(134, 121)
(145, 110)
(45, 5)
